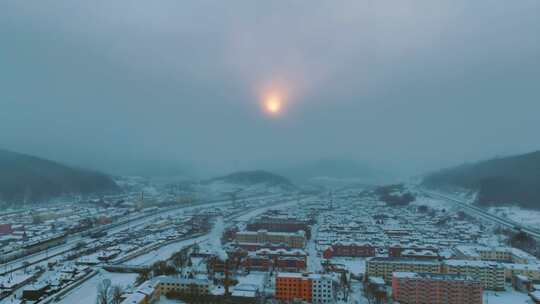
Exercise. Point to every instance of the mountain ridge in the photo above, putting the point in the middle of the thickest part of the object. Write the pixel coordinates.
(254, 177)
(500, 181)
(25, 177)
(329, 168)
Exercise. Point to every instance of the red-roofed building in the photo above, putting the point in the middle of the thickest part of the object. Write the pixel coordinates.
(5, 229)
(349, 250)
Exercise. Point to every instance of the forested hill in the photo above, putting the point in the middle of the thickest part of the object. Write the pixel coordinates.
(255, 177)
(28, 178)
(501, 181)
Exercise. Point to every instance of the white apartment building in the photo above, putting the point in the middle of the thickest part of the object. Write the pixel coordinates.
(491, 274)
(323, 291)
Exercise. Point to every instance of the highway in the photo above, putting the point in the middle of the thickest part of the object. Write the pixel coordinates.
(479, 212)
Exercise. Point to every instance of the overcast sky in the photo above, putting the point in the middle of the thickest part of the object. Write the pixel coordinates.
(409, 85)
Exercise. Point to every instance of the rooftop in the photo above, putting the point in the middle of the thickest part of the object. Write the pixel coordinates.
(433, 276)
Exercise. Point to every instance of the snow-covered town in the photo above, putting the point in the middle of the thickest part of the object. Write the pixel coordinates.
(269, 152)
(262, 244)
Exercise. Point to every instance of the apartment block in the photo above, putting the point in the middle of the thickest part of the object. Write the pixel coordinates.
(192, 287)
(349, 249)
(497, 254)
(491, 274)
(292, 240)
(312, 288)
(385, 266)
(418, 288)
(292, 286)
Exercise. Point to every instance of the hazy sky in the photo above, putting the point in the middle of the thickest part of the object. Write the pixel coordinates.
(406, 84)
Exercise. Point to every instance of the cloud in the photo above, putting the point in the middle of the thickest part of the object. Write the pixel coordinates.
(411, 82)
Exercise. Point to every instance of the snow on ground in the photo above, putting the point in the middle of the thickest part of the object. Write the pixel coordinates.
(313, 262)
(493, 240)
(164, 252)
(211, 241)
(434, 203)
(354, 265)
(510, 296)
(86, 293)
(524, 216)
(357, 294)
(257, 279)
(164, 300)
(214, 239)
(254, 213)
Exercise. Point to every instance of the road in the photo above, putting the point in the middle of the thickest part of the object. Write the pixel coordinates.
(476, 211)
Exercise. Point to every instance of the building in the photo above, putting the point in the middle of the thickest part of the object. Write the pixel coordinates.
(412, 288)
(245, 294)
(277, 224)
(535, 296)
(283, 260)
(522, 283)
(419, 254)
(5, 229)
(322, 290)
(385, 266)
(278, 253)
(497, 254)
(491, 274)
(531, 271)
(399, 250)
(292, 240)
(35, 292)
(349, 249)
(502, 254)
(313, 288)
(147, 293)
(44, 242)
(294, 286)
(294, 264)
(376, 288)
(10, 284)
(255, 246)
(257, 262)
(192, 287)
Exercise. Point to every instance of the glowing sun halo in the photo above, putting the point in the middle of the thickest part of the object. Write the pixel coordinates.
(273, 104)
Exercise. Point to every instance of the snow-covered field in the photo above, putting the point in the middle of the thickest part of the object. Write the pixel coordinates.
(510, 296)
(164, 252)
(254, 213)
(86, 293)
(523, 216)
(354, 265)
(434, 203)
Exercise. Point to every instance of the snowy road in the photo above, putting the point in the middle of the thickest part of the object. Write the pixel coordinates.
(314, 262)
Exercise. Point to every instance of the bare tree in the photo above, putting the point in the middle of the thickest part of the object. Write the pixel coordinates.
(117, 292)
(104, 292)
(25, 266)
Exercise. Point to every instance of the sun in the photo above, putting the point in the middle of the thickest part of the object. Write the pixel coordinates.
(273, 104)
